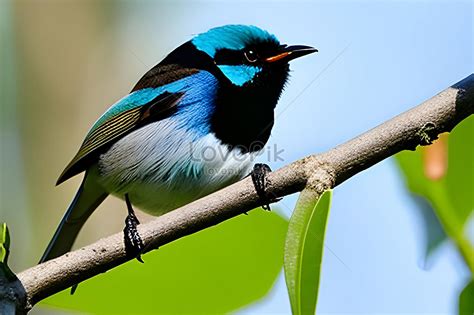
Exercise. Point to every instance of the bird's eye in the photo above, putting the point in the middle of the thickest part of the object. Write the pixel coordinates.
(251, 55)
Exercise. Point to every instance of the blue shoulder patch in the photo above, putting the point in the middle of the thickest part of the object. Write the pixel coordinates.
(197, 105)
(199, 88)
(233, 37)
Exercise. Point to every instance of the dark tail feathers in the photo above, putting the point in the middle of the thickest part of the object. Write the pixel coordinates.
(89, 196)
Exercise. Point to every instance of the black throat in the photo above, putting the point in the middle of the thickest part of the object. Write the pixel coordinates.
(244, 116)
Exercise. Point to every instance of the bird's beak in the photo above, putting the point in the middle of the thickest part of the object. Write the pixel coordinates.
(288, 53)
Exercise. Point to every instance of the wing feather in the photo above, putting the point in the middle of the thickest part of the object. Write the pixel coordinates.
(115, 127)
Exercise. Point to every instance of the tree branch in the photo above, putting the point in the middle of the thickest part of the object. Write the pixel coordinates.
(419, 126)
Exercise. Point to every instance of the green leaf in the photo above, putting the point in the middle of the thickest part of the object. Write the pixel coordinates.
(304, 250)
(5, 251)
(466, 300)
(411, 165)
(4, 243)
(460, 176)
(449, 197)
(217, 270)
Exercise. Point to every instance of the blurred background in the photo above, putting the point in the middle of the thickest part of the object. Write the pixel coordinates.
(63, 63)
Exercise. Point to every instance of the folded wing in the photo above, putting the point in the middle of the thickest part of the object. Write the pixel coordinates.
(132, 112)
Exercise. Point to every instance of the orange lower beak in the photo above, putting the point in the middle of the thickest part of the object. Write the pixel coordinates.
(288, 53)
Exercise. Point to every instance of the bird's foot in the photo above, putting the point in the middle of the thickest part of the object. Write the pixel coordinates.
(133, 242)
(259, 179)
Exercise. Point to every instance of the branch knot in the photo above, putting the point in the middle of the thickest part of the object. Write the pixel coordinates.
(320, 174)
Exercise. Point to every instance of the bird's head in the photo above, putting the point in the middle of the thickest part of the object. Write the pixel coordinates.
(247, 55)
(243, 55)
(251, 67)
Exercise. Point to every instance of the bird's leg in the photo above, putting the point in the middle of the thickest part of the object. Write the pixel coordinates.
(133, 241)
(259, 179)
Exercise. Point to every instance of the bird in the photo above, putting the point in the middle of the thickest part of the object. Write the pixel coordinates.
(193, 124)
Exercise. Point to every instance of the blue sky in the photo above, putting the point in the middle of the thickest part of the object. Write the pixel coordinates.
(376, 60)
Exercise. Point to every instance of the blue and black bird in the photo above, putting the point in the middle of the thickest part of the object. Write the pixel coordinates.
(190, 126)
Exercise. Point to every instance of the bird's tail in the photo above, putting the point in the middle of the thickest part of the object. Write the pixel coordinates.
(89, 196)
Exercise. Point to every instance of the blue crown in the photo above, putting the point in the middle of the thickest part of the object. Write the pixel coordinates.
(233, 37)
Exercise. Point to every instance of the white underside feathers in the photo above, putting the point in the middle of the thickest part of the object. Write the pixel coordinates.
(163, 166)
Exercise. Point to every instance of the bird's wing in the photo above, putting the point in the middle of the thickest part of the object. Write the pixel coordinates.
(134, 111)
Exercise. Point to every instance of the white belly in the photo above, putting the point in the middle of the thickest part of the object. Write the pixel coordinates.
(163, 167)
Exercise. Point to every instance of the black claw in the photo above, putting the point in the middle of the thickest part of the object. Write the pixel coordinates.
(259, 174)
(133, 242)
